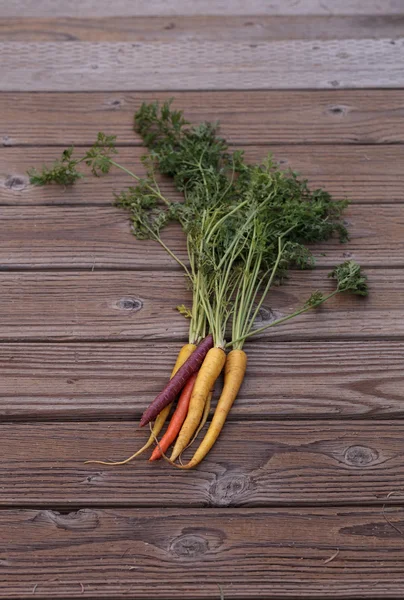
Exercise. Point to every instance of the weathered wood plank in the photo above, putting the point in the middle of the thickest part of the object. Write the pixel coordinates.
(200, 28)
(99, 238)
(82, 66)
(361, 173)
(88, 238)
(260, 117)
(92, 381)
(251, 553)
(253, 464)
(137, 305)
(104, 8)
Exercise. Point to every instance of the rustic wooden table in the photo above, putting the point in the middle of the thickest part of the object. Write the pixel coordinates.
(303, 495)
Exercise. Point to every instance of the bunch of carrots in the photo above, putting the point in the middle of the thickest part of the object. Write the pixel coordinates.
(246, 226)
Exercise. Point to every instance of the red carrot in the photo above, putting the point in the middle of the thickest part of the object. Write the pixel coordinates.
(175, 385)
(176, 420)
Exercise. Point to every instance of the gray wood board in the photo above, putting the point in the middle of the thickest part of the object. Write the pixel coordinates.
(82, 66)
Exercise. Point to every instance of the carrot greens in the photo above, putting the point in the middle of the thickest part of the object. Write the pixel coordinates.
(246, 228)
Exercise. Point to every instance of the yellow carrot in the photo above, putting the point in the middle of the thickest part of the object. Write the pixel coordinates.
(205, 416)
(183, 355)
(208, 373)
(236, 365)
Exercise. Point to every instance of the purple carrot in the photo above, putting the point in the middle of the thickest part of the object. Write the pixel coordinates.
(175, 385)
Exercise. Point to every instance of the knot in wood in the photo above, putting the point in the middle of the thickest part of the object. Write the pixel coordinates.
(360, 456)
(133, 304)
(189, 545)
(16, 182)
(267, 315)
(230, 490)
(80, 520)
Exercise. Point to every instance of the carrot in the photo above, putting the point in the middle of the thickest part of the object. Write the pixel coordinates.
(234, 372)
(175, 385)
(208, 373)
(205, 416)
(183, 355)
(176, 420)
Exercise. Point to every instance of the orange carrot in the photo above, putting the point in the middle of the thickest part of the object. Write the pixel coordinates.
(182, 357)
(208, 373)
(176, 420)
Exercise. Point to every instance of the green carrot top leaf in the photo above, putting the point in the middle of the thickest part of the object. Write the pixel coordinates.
(350, 278)
(63, 171)
(155, 124)
(315, 299)
(98, 158)
(184, 311)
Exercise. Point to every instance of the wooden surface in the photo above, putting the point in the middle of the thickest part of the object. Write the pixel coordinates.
(362, 173)
(201, 28)
(258, 118)
(258, 463)
(335, 380)
(98, 237)
(117, 553)
(229, 65)
(104, 8)
(303, 495)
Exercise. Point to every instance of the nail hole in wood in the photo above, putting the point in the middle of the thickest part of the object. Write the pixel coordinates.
(336, 110)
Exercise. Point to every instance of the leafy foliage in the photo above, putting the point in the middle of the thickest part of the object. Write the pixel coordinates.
(184, 311)
(267, 216)
(315, 299)
(62, 172)
(350, 278)
(98, 158)
(246, 225)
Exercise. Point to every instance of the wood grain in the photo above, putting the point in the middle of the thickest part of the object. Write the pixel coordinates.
(367, 174)
(101, 66)
(251, 553)
(200, 28)
(104, 8)
(100, 238)
(260, 117)
(137, 305)
(92, 381)
(253, 464)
